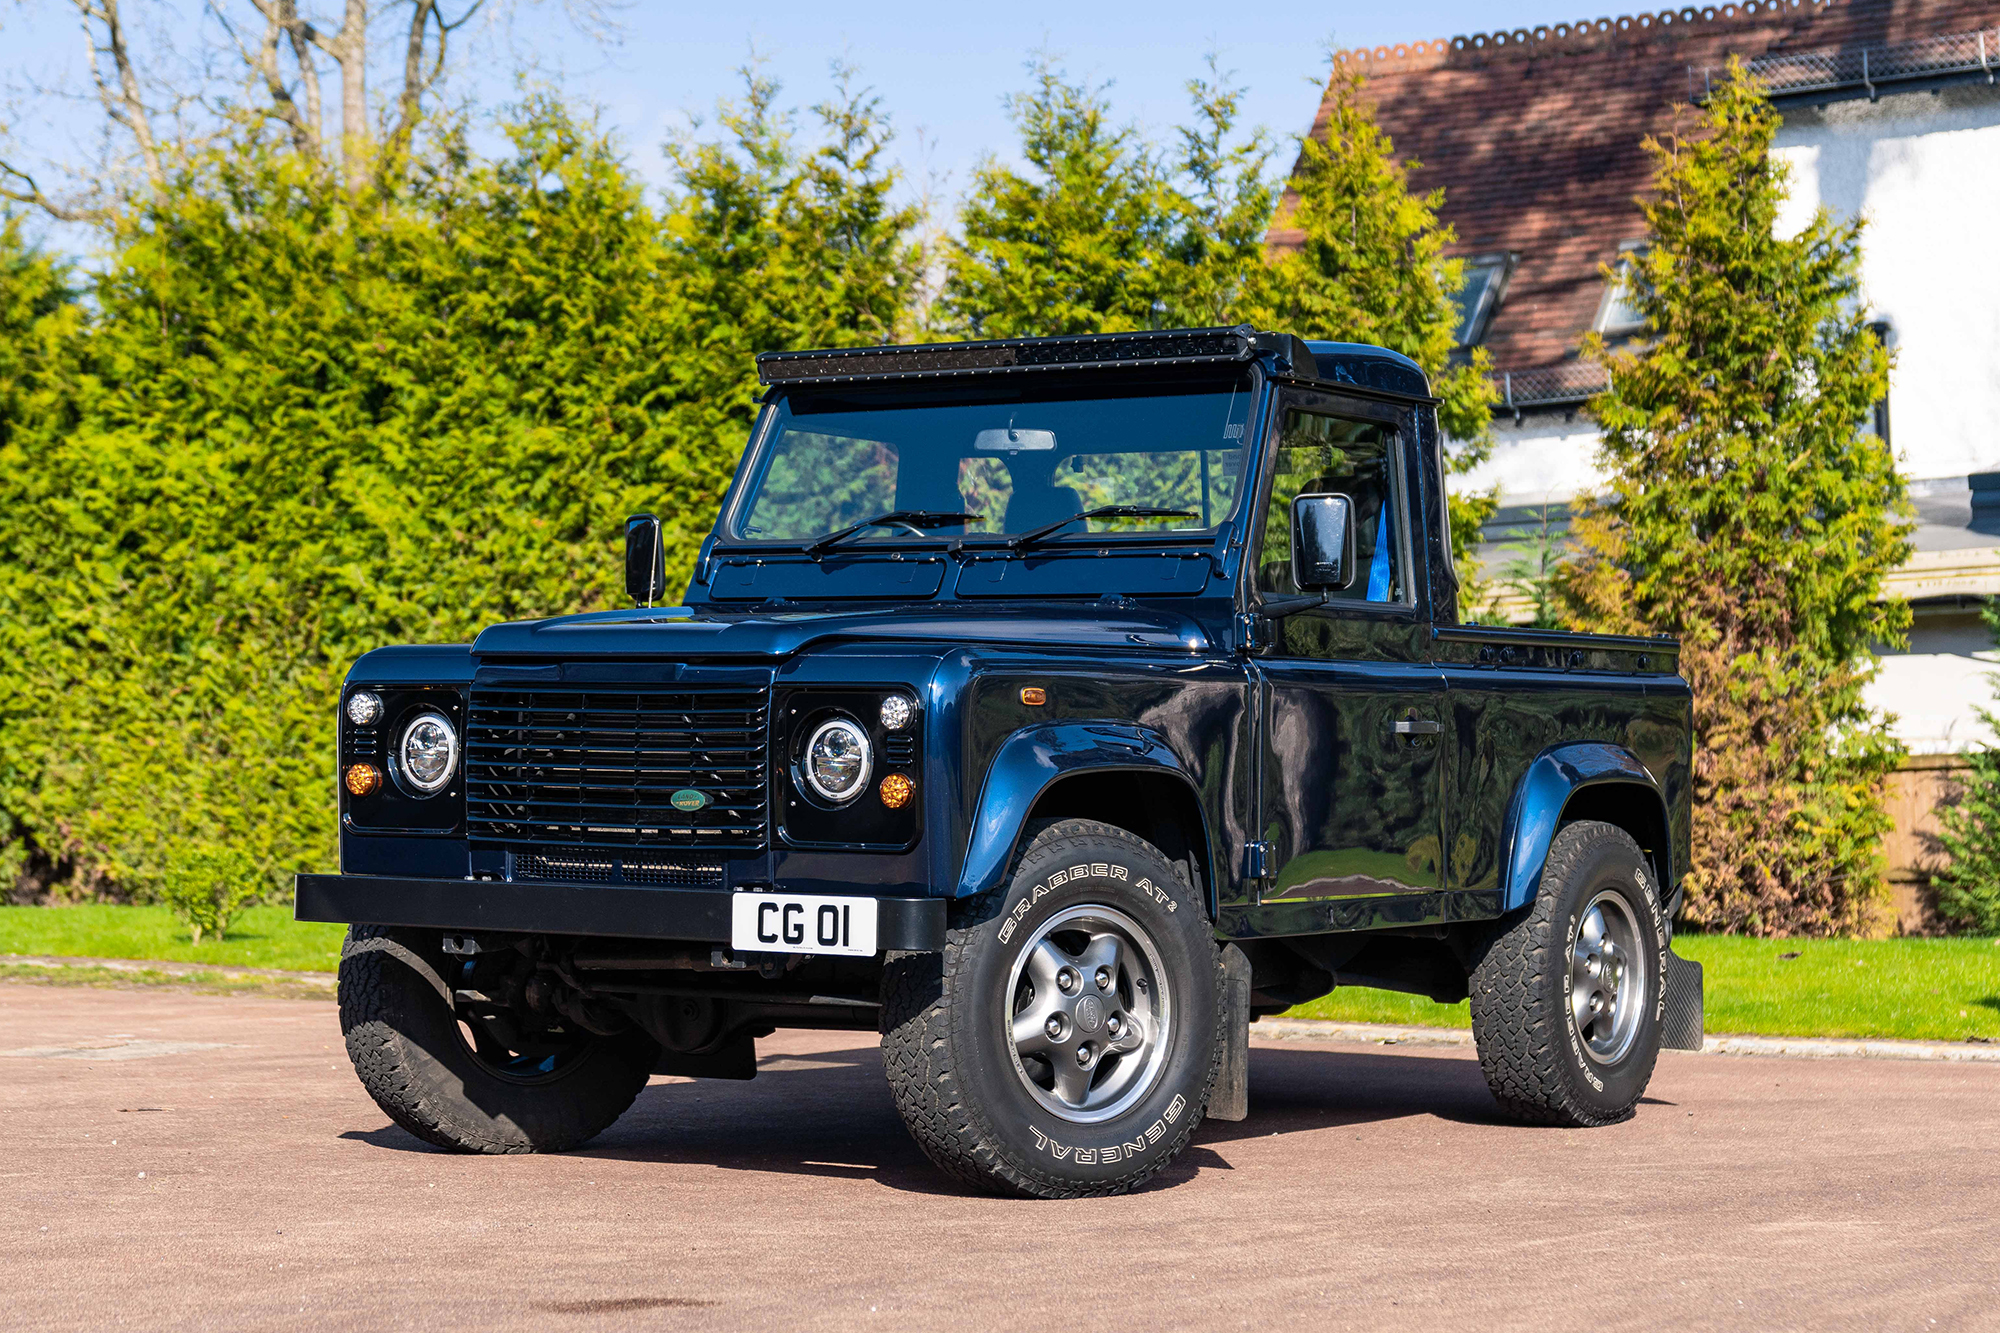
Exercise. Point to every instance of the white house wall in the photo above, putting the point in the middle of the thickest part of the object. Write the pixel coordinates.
(1923, 170)
(1547, 458)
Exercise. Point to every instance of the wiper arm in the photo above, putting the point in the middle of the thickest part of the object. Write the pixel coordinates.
(916, 520)
(1033, 535)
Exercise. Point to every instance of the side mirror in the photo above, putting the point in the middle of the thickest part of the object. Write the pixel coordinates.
(645, 559)
(1322, 542)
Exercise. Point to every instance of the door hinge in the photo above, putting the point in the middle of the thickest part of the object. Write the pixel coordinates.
(1256, 860)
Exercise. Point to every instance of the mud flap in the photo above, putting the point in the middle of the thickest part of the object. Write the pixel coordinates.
(1680, 1004)
(1230, 1098)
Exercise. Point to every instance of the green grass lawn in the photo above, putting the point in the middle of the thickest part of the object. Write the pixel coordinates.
(261, 937)
(1934, 990)
(1939, 990)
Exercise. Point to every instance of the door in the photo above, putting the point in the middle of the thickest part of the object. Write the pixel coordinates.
(1352, 786)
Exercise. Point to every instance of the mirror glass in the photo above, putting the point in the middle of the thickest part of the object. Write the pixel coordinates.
(645, 571)
(1014, 440)
(1322, 541)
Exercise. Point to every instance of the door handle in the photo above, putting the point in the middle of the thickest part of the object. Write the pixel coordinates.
(1416, 727)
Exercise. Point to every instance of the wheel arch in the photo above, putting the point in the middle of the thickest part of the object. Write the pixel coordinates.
(1115, 773)
(1567, 783)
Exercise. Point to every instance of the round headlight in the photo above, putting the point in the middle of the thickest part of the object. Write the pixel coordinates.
(429, 752)
(837, 761)
(364, 709)
(896, 712)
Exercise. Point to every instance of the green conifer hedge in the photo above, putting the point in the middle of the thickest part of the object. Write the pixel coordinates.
(1751, 512)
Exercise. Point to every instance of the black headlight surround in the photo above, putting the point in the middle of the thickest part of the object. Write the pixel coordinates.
(395, 806)
(861, 823)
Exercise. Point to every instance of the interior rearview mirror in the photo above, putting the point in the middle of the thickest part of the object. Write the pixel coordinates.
(645, 560)
(1322, 542)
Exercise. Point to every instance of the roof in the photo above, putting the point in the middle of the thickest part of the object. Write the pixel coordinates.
(1535, 136)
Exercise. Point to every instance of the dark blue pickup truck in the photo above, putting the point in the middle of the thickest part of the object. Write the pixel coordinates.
(1053, 707)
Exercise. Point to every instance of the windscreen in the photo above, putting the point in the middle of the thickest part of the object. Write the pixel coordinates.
(1018, 458)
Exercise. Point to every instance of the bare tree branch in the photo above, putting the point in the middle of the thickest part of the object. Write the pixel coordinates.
(125, 105)
(33, 195)
(348, 49)
(410, 100)
(304, 127)
(300, 33)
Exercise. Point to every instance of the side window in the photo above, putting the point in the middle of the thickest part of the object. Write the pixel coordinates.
(1320, 454)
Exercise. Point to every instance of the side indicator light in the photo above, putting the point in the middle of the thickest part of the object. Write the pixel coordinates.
(363, 779)
(1034, 696)
(897, 791)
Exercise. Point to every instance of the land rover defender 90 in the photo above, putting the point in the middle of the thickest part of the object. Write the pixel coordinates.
(1052, 707)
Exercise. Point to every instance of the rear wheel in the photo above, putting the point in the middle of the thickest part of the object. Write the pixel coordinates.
(1566, 1000)
(1065, 1041)
(489, 1082)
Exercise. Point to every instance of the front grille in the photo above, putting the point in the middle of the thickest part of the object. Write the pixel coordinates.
(575, 869)
(617, 870)
(601, 766)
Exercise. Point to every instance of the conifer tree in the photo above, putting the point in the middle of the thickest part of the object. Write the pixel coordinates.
(1078, 245)
(1749, 511)
(1224, 202)
(1370, 266)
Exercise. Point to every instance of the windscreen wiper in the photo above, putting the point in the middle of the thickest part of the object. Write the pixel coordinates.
(1033, 535)
(916, 520)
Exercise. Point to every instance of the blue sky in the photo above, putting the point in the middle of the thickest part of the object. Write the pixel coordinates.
(941, 70)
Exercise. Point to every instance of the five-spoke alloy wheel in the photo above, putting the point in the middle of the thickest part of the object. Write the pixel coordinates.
(1607, 978)
(1092, 1013)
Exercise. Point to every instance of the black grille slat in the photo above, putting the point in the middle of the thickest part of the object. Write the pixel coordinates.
(600, 870)
(599, 766)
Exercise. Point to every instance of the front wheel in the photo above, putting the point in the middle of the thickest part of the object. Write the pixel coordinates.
(1065, 1041)
(1566, 1000)
(483, 1086)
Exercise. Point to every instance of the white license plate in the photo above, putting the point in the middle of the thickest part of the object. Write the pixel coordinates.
(798, 923)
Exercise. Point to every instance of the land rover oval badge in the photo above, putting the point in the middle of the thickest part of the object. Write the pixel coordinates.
(689, 799)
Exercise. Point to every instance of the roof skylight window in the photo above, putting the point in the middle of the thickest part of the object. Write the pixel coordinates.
(1619, 316)
(1485, 284)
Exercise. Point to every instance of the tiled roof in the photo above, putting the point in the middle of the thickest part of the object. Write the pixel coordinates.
(1535, 134)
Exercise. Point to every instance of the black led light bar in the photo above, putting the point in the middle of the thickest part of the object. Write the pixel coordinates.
(1167, 347)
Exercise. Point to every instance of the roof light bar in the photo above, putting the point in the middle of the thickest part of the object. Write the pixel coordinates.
(1167, 347)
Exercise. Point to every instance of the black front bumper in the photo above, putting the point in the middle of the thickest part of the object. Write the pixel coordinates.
(571, 909)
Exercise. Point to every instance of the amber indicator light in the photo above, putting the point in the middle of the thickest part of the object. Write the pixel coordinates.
(363, 778)
(897, 791)
(1034, 696)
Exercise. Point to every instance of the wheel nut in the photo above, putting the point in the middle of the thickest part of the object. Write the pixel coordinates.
(1085, 1054)
(1114, 1025)
(1104, 978)
(1068, 980)
(1055, 1027)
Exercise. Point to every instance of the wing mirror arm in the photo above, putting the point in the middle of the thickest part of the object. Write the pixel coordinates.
(1286, 606)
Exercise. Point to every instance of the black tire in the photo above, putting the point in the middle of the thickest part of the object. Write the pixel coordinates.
(404, 1039)
(1545, 1065)
(958, 1080)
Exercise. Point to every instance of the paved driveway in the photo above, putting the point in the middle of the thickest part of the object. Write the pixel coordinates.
(175, 1160)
